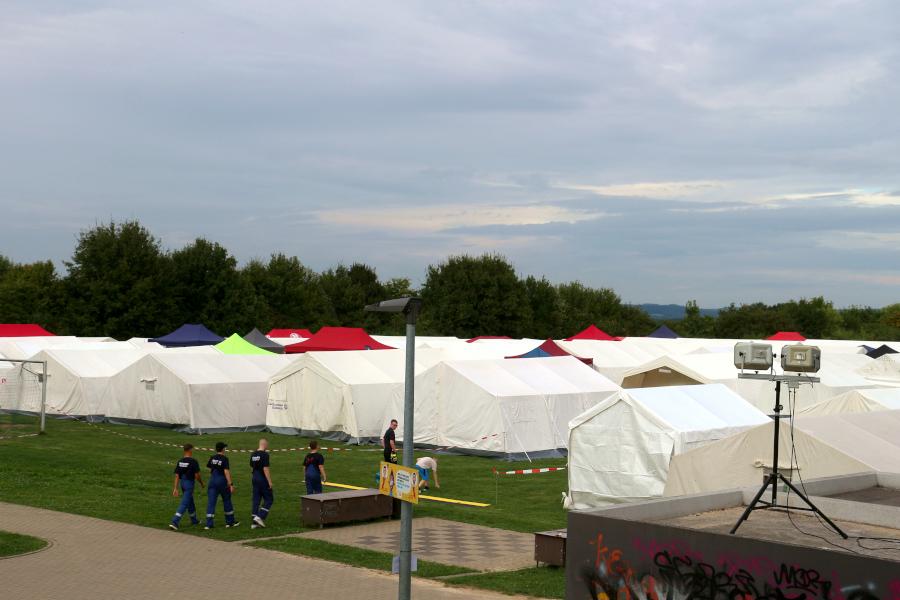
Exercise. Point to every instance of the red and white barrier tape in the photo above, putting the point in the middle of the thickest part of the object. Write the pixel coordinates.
(529, 471)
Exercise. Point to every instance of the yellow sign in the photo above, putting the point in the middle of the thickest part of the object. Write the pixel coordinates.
(399, 482)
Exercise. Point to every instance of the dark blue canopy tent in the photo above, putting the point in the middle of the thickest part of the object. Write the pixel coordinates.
(189, 334)
(664, 332)
(880, 351)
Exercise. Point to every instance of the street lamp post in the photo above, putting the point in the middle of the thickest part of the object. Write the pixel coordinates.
(409, 307)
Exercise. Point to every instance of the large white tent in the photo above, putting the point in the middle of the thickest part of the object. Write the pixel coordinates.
(619, 450)
(347, 395)
(506, 406)
(884, 370)
(200, 391)
(718, 367)
(817, 447)
(865, 400)
(23, 348)
(78, 379)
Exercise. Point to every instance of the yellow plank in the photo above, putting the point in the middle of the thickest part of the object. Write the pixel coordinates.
(434, 498)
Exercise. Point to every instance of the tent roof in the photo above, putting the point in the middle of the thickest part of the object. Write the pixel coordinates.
(337, 338)
(488, 337)
(290, 333)
(189, 334)
(550, 348)
(886, 368)
(259, 340)
(22, 330)
(664, 332)
(787, 336)
(235, 344)
(592, 332)
(879, 351)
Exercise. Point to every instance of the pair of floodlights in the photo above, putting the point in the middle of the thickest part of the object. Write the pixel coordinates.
(795, 358)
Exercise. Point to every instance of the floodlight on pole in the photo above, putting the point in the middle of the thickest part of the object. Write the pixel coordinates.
(409, 307)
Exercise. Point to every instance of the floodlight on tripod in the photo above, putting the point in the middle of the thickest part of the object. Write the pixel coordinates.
(801, 360)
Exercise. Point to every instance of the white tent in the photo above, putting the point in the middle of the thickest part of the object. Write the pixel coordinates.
(505, 406)
(611, 359)
(865, 400)
(23, 348)
(884, 370)
(719, 368)
(619, 450)
(199, 390)
(78, 380)
(820, 448)
(348, 394)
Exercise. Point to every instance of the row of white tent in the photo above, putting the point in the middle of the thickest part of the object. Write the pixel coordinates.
(469, 397)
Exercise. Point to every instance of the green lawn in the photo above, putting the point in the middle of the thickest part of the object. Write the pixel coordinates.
(357, 557)
(12, 544)
(544, 582)
(81, 469)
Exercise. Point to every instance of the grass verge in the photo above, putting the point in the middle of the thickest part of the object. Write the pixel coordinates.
(12, 544)
(357, 557)
(543, 582)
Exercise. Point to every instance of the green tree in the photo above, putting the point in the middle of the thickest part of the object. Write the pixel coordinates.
(468, 296)
(115, 283)
(288, 294)
(350, 289)
(206, 287)
(695, 324)
(582, 306)
(546, 316)
(29, 293)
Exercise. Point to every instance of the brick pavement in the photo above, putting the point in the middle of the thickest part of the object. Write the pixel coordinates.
(91, 558)
(442, 541)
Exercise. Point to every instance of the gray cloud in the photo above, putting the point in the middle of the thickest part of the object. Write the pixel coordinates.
(706, 150)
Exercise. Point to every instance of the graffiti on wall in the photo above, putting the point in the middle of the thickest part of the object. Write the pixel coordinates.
(676, 572)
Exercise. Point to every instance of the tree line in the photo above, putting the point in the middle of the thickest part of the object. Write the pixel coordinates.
(121, 282)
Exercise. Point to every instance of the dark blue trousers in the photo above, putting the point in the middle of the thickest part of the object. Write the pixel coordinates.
(218, 486)
(313, 484)
(261, 493)
(187, 502)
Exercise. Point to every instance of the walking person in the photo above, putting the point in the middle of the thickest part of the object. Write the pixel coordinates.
(187, 473)
(314, 469)
(427, 467)
(220, 484)
(262, 485)
(389, 442)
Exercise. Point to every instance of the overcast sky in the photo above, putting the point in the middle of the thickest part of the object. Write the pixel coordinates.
(723, 151)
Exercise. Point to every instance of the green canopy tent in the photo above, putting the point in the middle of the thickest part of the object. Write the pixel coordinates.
(238, 345)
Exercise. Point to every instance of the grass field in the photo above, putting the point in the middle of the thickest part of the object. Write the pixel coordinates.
(89, 470)
(12, 544)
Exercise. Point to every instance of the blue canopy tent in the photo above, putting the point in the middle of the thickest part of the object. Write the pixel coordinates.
(189, 334)
(664, 332)
(880, 351)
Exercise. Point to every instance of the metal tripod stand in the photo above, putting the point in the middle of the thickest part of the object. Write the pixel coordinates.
(775, 476)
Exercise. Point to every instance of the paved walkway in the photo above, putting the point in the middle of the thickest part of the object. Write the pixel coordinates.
(90, 558)
(442, 541)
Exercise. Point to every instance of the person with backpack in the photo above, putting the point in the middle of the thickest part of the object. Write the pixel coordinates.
(314, 469)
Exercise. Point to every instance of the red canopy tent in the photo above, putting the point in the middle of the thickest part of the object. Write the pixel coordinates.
(337, 338)
(594, 333)
(488, 337)
(787, 336)
(290, 333)
(23, 330)
(551, 348)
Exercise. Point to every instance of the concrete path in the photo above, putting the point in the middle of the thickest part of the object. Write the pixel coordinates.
(438, 540)
(91, 558)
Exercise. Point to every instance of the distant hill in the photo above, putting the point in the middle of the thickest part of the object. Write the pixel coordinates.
(673, 312)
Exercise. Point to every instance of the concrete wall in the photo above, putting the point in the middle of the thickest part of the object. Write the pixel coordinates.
(635, 560)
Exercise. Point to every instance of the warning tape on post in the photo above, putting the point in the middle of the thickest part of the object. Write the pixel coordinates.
(529, 471)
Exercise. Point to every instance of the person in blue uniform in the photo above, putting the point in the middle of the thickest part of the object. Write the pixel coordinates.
(220, 484)
(187, 474)
(262, 485)
(314, 469)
